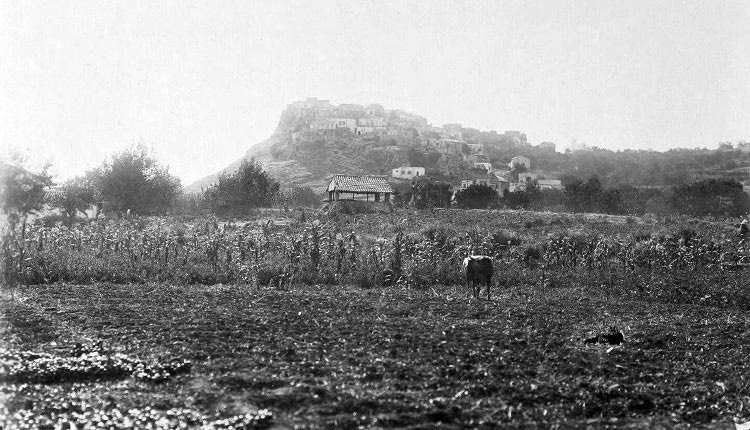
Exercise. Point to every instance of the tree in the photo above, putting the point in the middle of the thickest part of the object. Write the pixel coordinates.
(21, 190)
(717, 197)
(590, 196)
(476, 197)
(300, 196)
(428, 193)
(516, 199)
(133, 179)
(75, 195)
(249, 187)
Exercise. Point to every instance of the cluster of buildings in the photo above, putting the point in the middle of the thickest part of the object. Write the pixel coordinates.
(369, 120)
(374, 120)
(516, 177)
(320, 116)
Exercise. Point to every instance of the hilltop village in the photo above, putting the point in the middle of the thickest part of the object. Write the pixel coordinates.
(403, 146)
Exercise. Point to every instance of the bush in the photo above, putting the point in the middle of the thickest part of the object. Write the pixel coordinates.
(711, 197)
(476, 197)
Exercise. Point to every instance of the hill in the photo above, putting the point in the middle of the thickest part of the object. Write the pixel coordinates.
(315, 139)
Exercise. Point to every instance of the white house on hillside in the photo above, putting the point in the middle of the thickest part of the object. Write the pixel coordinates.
(520, 160)
(407, 172)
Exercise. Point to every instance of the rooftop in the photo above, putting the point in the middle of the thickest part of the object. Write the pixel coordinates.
(359, 184)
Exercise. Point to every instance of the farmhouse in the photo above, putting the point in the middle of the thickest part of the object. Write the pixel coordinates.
(350, 187)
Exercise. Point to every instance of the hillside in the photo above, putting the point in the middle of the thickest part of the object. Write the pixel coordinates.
(315, 139)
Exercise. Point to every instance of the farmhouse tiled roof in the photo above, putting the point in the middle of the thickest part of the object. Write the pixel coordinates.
(359, 184)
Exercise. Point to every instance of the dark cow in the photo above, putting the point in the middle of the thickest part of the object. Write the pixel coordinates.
(478, 270)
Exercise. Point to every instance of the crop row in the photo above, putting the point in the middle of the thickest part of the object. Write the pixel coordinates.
(163, 250)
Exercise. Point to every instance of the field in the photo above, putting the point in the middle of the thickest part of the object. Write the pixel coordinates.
(376, 330)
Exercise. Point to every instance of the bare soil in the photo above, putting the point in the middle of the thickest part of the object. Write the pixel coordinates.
(345, 357)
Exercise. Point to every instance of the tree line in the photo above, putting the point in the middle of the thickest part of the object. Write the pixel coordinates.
(706, 197)
(133, 181)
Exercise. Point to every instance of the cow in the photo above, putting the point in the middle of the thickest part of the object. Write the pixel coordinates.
(478, 269)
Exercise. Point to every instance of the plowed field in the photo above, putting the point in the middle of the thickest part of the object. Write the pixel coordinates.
(319, 357)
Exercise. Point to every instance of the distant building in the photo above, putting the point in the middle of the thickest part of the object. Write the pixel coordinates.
(452, 131)
(550, 184)
(526, 177)
(331, 123)
(369, 131)
(450, 146)
(371, 122)
(520, 160)
(407, 172)
(349, 123)
(487, 179)
(576, 146)
(350, 110)
(743, 146)
(485, 166)
(514, 136)
(478, 158)
(350, 187)
(547, 146)
(374, 110)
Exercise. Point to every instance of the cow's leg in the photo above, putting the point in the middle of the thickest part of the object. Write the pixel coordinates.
(489, 283)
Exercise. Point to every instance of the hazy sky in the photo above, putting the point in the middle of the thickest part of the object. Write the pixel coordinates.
(201, 82)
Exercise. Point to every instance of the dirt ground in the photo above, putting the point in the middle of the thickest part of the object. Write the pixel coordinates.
(319, 357)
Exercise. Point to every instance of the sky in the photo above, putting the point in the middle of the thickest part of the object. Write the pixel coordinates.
(201, 81)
